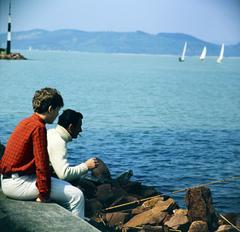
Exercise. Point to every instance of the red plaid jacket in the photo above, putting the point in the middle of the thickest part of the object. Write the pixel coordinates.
(26, 152)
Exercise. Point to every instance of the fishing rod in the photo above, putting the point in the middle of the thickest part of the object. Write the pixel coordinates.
(229, 222)
(137, 202)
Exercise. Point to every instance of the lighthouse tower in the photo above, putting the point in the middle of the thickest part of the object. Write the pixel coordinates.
(8, 49)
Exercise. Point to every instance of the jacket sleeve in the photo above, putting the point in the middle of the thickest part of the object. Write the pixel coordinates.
(43, 181)
(57, 151)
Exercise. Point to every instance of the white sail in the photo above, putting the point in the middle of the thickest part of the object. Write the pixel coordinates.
(220, 58)
(182, 58)
(203, 54)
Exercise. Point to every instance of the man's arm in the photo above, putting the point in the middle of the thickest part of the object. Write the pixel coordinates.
(43, 181)
(58, 157)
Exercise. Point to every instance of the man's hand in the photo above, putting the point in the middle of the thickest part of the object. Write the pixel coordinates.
(92, 163)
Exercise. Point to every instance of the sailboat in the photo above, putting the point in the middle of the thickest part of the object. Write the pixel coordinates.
(220, 58)
(181, 59)
(203, 54)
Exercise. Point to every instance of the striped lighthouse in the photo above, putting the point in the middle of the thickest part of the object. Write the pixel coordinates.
(8, 49)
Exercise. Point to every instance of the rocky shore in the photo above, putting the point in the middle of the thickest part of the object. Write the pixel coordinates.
(12, 56)
(124, 205)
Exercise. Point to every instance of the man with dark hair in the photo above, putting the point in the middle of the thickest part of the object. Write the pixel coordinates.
(25, 162)
(68, 128)
(69, 117)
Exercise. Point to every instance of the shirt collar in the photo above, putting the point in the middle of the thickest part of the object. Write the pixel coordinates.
(64, 133)
(38, 118)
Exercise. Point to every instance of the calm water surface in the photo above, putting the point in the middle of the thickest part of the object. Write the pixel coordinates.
(174, 124)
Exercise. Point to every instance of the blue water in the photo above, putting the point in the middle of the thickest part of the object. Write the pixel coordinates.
(174, 124)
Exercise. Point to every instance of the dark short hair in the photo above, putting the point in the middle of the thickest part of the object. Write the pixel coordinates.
(69, 117)
(46, 97)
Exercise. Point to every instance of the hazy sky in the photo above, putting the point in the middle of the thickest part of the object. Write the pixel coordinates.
(211, 20)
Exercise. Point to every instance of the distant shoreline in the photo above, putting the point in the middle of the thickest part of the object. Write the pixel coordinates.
(116, 42)
(123, 54)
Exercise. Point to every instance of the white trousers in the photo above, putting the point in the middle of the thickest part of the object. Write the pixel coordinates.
(62, 192)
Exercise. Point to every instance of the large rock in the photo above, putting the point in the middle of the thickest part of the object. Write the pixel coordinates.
(180, 212)
(200, 207)
(101, 171)
(16, 215)
(88, 188)
(178, 222)
(148, 191)
(198, 226)
(149, 204)
(132, 187)
(169, 205)
(151, 217)
(118, 191)
(226, 228)
(124, 203)
(92, 206)
(12, 56)
(117, 219)
(124, 177)
(104, 193)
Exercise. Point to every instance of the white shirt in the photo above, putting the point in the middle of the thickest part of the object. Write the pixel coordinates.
(57, 140)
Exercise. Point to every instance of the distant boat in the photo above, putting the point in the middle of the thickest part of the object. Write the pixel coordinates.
(220, 58)
(30, 48)
(203, 54)
(182, 58)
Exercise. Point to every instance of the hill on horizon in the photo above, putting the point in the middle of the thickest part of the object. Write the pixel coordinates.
(114, 42)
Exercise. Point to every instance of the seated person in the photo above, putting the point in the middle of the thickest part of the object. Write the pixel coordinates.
(68, 128)
(25, 162)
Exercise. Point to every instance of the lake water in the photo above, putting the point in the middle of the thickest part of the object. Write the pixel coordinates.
(174, 124)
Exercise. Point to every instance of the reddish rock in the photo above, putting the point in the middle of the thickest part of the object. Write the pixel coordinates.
(226, 228)
(89, 188)
(132, 187)
(124, 178)
(151, 217)
(101, 171)
(198, 226)
(104, 193)
(167, 205)
(167, 218)
(200, 207)
(148, 191)
(118, 191)
(180, 212)
(152, 202)
(116, 219)
(178, 222)
(122, 202)
(92, 206)
(149, 204)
